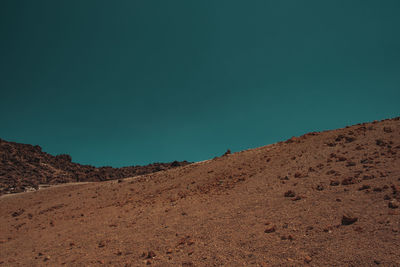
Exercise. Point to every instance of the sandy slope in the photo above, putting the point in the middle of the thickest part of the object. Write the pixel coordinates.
(228, 211)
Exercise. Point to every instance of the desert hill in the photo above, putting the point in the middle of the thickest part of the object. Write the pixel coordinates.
(322, 199)
(24, 167)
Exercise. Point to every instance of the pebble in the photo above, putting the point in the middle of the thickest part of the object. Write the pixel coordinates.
(270, 230)
(393, 204)
(307, 259)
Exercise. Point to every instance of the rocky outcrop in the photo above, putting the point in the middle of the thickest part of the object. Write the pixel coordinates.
(23, 167)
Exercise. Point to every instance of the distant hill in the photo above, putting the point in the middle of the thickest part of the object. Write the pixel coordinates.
(24, 167)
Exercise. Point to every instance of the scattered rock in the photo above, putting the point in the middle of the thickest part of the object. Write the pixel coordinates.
(297, 175)
(320, 166)
(296, 198)
(393, 204)
(364, 187)
(149, 255)
(182, 241)
(348, 220)
(387, 129)
(350, 164)
(380, 142)
(339, 138)
(287, 237)
(228, 152)
(307, 259)
(320, 187)
(395, 190)
(270, 230)
(289, 193)
(331, 172)
(368, 177)
(348, 181)
(334, 183)
(364, 161)
(17, 213)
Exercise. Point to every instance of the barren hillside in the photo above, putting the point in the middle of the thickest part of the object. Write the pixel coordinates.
(322, 199)
(24, 167)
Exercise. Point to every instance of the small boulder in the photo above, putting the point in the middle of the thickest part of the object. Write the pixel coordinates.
(348, 220)
(289, 193)
(334, 183)
(270, 230)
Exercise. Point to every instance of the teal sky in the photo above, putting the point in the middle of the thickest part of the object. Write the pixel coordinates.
(133, 82)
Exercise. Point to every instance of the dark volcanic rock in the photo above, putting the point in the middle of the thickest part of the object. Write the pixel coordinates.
(23, 167)
(348, 181)
(347, 220)
(334, 183)
(289, 193)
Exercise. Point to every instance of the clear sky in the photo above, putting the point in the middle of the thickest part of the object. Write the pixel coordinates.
(133, 82)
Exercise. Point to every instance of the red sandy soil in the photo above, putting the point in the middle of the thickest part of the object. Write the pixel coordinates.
(24, 167)
(322, 199)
